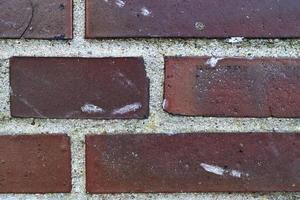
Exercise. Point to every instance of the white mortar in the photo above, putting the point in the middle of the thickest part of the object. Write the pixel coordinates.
(153, 51)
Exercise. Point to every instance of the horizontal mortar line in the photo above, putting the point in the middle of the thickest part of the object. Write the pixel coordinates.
(35, 49)
(119, 127)
(145, 55)
(157, 130)
(166, 45)
(161, 47)
(158, 43)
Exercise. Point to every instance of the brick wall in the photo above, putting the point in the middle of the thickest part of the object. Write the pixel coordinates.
(149, 99)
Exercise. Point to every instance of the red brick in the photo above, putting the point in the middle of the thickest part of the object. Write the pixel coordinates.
(98, 88)
(193, 163)
(193, 18)
(46, 19)
(35, 164)
(232, 87)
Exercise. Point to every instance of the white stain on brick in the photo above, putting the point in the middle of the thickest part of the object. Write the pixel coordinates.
(165, 104)
(221, 171)
(120, 3)
(145, 11)
(128, 108)
(125, 79)
(235, 173)
(213, 61)
(91, 109)
(213, 169)
(23, 100)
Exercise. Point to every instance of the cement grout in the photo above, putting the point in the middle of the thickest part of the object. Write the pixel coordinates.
(153, 52)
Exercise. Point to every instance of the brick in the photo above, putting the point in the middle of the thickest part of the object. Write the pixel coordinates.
(232, 87)
(35, 164)
(193, 18)
(94, 88)
(36, 19)
(254, 162)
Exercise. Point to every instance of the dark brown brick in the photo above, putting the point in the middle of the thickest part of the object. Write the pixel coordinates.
(102, 88)
(232, 87)
(193, 18)
(193, 163)
(35, 164)
(46, 19)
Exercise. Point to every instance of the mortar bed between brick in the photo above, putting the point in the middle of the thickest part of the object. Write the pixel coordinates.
(153, 51)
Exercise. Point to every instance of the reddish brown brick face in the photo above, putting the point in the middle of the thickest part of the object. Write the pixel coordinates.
(232, 87)
(35, 164)
(102, 88)
(193, 163)
(193, 18)
(40, 19)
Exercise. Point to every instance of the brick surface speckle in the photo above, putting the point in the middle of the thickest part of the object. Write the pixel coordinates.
(153, 52)
(94, 88)
(193, 18)
(35, 164)
(46, 19)
(254, 162)
(232, 87)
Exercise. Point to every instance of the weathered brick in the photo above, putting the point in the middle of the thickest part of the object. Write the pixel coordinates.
(35, 164)
(232, 87)
(193, 163)
(46, 19)
(193, 18)
(103, 88)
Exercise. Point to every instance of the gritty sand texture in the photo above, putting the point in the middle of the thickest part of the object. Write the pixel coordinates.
(153, 51)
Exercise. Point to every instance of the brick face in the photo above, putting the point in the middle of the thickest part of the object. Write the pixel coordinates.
(46, 19)
(232, 87)
(193, 18)
(35, 164)
(103, 103)
(96, 88)
(257, 162)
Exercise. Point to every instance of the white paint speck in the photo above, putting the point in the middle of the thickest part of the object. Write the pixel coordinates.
(213, 169)
(165, 104)
(221, 171)
(125, 79)
(213, 61)
(128, 108)
(145, 11)
(234, 40)
(120, 3)
(91, 109)
(135, 154)
(235, 173)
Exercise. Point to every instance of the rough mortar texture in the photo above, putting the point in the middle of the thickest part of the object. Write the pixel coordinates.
(153, 51)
